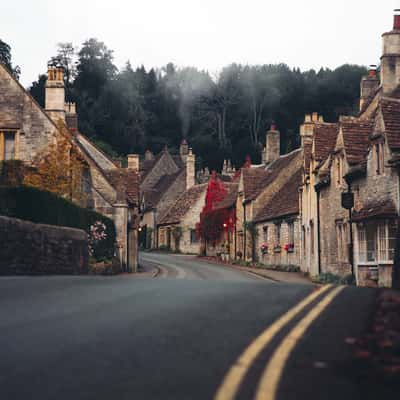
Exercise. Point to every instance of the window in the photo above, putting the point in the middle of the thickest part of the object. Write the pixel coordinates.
(278, 234)
(376, 241)
(291, 232)
(265, 233)
(193, 236)
(341, 235)
(339, 171)
(8, 145)
(312, 237)
(379, 158)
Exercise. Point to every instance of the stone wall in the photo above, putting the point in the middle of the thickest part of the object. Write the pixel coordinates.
(28, 248)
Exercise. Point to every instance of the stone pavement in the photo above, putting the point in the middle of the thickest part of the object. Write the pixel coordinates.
(278, 276)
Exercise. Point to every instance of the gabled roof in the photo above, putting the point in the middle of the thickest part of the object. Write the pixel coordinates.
(154, 194)
(126, 182)
(391, 117)
(285, 202)
(94, 153)
(356, 134)
(230, 197)
(324, 140)
(260, 177)
(183, 204)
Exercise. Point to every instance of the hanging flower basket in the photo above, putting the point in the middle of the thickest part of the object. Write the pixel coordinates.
(277, 248)
(264, 248)
(289, 247)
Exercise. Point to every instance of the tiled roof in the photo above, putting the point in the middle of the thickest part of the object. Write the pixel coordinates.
(126, 183)
(154, 194)
(375, 210)
(183, 204)
(324, 140)
(263, 176)
(285, 202)
(391, 116)
(252, 178)
(369, 100)
(356, 135)
(231, 196)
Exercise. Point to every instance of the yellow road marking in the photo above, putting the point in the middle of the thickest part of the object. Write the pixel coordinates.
(234, 377)
(270, 378)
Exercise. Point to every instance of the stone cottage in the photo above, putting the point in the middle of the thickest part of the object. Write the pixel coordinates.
(263, 231)
(163, 178)
(357, 159)
(176, 230)
(28, 132)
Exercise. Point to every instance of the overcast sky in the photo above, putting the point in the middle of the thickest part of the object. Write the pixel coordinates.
(207, 34)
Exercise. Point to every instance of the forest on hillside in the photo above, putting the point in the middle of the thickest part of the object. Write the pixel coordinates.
(225, 116)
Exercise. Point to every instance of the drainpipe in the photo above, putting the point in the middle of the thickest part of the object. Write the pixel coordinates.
(235, 257)
(244, 231)
(318, 231)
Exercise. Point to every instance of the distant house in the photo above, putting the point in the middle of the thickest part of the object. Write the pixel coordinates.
(28, 133)
(163, 178)
(176, 230)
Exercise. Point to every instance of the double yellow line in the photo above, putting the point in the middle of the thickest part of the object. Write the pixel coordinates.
(270, 378)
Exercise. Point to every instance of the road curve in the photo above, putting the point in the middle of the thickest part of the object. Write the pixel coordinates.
(187, 267)
(86, 337)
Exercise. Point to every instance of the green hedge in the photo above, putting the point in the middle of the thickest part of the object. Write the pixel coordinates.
(43, 207)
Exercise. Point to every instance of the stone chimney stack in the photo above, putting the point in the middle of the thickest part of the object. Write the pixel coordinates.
(148, 155)
(368, 85)
(390, 60)
(133, 162)
(55, 92)
(184, 149)
(272, 145)
(190, 169)
(71, 118)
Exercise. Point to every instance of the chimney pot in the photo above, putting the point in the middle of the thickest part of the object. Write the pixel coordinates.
(396, 19)
(315, 117)
(133, 162)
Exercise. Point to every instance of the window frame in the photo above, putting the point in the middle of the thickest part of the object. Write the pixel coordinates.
(3, 133)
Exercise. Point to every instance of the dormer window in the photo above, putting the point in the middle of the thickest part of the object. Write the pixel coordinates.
(379, 158)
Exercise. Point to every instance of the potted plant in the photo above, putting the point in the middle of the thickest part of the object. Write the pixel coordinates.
(264, 248)
(289, 247)
(277, 248)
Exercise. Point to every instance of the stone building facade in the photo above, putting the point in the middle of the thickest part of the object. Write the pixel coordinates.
(176, 230)
(27, 133)
(358, 155)
(163, 178)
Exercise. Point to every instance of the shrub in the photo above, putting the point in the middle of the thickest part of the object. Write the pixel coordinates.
(43, 207)
(329, 277)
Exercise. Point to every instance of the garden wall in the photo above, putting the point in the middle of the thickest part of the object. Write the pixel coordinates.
(29, 248)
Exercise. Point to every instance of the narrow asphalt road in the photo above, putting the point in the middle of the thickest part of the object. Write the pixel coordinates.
(171, 337)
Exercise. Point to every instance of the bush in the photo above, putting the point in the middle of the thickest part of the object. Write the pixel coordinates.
(43, 207)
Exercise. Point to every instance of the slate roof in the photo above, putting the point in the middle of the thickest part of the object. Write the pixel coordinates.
(356, 134)
(285, 202)
(182, 205)
(376, 210)
(154, 194)
(231, 196)
(126, 182)
(256, 179)
(324, 140)
(391, 117)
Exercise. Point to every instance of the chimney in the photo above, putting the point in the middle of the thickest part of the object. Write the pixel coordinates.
(307, 128)
(272, 144)
(190, 169)
(55, 92)
(184, 149)
(133, 162)
(71, 119)
(368, 85)
(390, 59)
(148, 155)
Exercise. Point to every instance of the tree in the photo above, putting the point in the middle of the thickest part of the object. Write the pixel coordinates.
(5, 59)
(38, 90)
